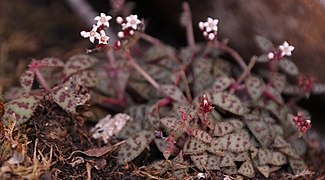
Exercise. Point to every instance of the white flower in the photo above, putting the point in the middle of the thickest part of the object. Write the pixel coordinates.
(103, 19)
(270, 55)
(200, 175)
(120, 34)
(286, 49)
(102, 38)
(132, 21)
(91, 34)
(201, 26)
(211, 25)
(211, 36)
(119, 20)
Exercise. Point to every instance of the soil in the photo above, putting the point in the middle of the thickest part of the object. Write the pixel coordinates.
(34, 29)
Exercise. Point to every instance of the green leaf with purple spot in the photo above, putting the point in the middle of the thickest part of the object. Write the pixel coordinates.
(174, 93)
(255, 87)
(134, 146)
(27, 80)
(78, 63)
(228, 102)
(289, 67)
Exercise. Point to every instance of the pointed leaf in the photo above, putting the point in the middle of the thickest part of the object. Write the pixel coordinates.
(263, 43)
(264, 156)
(86, 78)
(78, 63)
(50, 62)
(290, 152)
(130, 129)
(259, 129)
(70, 94)
(264, 170)
(278, 81)
(194, 146)
(221, 83)
(20, 108)
(171, 122)
(274, 94)
(226, 160)
(297, 165)
(255, 87)
(201, 135)
(200, 161)
(263, 58)
(27, 80)
(225, 127)
(241, 156)
(279, 142)
(228, 102)
(235, 142)
(174, 93)
(231, 170)
(247, 169)
(213, 162)
(216, 147)
(289, 67)
(134, 146)
(278, 159)
(161, 166)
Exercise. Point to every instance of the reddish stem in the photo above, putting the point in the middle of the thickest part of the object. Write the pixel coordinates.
(233, 53)
(41, 79)
(189, 26)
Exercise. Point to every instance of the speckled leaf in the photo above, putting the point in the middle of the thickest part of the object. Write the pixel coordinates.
(156, 52)
(194, 146)
(50, 62)
(171, 122)
(263, 43)
(160, 167)
(255, 86)
(290, 152)
(259, 129)
(278, 81)
(291, 90)
(134, 146)
(226, 160)
(253, 151)
(78, 63)
(161, 144)
(231, 170)
(228, 102)
(221, 83)
(297, 165)
(27, 80)
(174, 93)
(221, 67)
(225, 127)
(318, 88)
(179, 173)
(201, 135)
(278, 159)
(20, 108)
(70, 94)
(130, 129)
(274, 94)
(213, 162)
(216, 147)
(274, 168)
(138, 112)
(153, 116)
(289, 67)
(247, 169)
(279, 142)
(178, 162)
(200, 161)
(264, 156)
(265, 170)
(241, 156)
(87, 78)
(235, 142)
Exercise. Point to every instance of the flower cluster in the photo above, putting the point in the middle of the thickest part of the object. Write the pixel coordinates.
(209, 28)
(306, 83)
(98, 30)
(205, 105)
(283, 50)
(129, 25)
(301, 122)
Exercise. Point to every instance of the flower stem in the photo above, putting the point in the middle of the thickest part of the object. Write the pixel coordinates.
(234, 54)
(110, 57)
(136, 66)
(41, 80)
(189, 26)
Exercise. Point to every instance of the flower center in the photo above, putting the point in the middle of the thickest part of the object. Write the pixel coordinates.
(92, 33)
(102, 20)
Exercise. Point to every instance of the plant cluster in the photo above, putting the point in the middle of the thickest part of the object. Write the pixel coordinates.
(202, 112)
